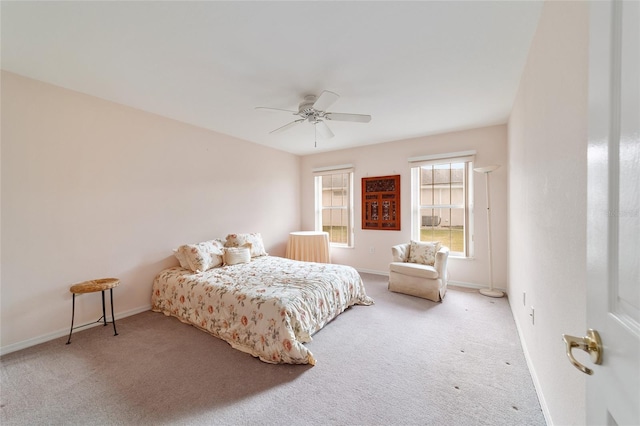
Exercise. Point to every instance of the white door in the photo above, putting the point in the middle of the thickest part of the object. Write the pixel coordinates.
(613, 224)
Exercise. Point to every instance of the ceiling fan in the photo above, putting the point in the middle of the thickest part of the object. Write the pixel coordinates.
(314, 110)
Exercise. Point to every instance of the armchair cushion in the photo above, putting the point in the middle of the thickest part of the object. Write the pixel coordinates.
(414, 269)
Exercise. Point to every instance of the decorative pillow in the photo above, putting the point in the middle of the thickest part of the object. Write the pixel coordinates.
(236, 255)
(423, 252)
(183, 260)
(201, 256)
(238, 240)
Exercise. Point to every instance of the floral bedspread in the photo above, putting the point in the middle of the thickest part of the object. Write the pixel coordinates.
(268, 307)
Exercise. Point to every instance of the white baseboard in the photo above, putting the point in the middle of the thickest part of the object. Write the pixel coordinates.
(472, 285)
(534, 376)
(465, 284)
(451, 282)
(64, 332)
(371, 271)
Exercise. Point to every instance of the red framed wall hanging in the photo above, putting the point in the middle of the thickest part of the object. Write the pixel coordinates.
(381, 203)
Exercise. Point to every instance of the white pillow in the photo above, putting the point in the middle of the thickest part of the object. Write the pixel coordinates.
(255, 239)
(236, 255)
(201, 256)
(423, 252)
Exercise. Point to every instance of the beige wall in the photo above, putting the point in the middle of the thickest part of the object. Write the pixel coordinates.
(94, 189)
(547, 205)
(392, 158)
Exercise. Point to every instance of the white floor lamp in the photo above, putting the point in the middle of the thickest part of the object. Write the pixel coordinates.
(489, 291)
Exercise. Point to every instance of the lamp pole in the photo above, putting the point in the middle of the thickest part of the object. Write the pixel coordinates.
(489, 291)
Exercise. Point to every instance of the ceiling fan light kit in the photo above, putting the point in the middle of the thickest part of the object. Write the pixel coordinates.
(314, 110)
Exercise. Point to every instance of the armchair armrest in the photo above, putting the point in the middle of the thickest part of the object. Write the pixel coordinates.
(442, 257)
(400, 252)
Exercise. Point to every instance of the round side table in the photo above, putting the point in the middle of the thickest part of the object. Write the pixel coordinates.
(92, 286)
(308, 246)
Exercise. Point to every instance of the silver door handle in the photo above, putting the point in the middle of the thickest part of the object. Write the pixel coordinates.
(591, 343)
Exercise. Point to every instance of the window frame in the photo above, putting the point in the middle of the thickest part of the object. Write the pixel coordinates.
(319, 208)
(468, 205)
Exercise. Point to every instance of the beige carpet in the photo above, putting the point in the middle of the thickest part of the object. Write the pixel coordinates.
(402, 361)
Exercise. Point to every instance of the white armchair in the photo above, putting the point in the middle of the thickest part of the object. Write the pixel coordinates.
(416, 279)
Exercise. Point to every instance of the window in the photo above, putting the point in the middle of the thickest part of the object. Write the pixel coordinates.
(334, 205)
(440, 203)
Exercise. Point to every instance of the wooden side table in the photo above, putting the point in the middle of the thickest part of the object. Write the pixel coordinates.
(92, 286)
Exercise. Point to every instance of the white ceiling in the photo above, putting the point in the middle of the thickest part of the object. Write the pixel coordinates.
(418, 68)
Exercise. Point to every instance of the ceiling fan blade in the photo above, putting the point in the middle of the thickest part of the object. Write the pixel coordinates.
(323, 129)
(286, 126)
(339, 116)
(325, 100)
(277, 109)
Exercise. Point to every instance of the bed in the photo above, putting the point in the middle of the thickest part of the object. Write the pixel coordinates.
(268, 307)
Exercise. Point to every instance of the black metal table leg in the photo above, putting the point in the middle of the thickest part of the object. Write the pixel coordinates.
(104, 314)
(73, 311)
(113, 317)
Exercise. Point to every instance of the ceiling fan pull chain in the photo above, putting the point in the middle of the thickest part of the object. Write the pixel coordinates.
(315, 135)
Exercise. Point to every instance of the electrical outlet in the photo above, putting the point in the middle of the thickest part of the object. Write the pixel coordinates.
(524, 298)
(372, 249)
(533, 315)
